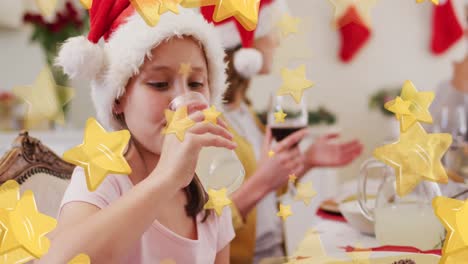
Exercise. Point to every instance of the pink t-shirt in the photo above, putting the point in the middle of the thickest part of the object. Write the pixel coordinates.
(158, 242)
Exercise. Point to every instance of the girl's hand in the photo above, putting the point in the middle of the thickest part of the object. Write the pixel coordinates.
(324, 153)
(178, 159)
(273, 172)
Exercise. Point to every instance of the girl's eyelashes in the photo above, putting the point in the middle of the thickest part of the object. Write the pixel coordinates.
(159, 85)
(196, 85)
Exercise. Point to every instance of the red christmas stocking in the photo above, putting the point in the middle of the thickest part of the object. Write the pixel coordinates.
(446, 29)
(354, 34)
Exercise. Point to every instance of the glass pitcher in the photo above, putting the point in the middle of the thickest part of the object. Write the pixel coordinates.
(401, 221)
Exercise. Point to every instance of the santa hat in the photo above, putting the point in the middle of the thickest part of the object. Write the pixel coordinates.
(128, 40)
(247, 61)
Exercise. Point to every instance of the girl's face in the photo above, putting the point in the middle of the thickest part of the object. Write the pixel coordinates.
(159, 81)
(267, 46)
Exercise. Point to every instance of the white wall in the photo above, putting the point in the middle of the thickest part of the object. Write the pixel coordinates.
(398, 50)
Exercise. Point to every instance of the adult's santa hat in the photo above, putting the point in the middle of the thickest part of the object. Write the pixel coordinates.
(247, 61)
(128, 41)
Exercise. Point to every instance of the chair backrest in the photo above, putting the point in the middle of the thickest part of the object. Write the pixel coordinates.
(36, 167)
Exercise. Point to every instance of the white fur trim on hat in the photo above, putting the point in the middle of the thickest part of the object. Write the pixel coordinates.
(248, 62)
(133, 41)
(80, 58)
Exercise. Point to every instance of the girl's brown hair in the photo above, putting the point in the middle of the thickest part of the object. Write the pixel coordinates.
(236, 83)
(196, 194)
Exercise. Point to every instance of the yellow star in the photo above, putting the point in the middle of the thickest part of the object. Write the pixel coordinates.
(363, 8)
(294, 47)
(288, 24)
(185, 69)
(169, 5)
(292, 178)
(197, 3)
(294, 83)
(28, 227)
(42, 98)
(279, 116)
(416, 156)
(271, 153)
(435, 2)
(86, 3)
(47, 7)
(305, 193)
(211, 115)
(9, 195)
(148, 10)
(454, 215)
(360, 256)
(16, 256)
(167, 261)
(399, 106)
(284, 212)
(80, 259)
(244, 11)
(100, 154)
(419, 106)
(177, 122)
(217, 200)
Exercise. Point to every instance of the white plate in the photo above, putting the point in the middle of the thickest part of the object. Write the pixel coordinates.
(352, 214)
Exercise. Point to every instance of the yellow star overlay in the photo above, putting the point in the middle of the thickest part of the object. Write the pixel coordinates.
(167, 261)
(292, 178)
(399, 106)
(100, 154)
(291, 48)
(284, 212)
(185, 69)
(86, 3)
(151, 10)
(289, 24)
(305, 193)
(169, 5)
(279, 116)
(80, 259)
(9, 197)
(178, 122)
(360, 256)
(47, 7)
(244, 11)
(42, 99)
(454, 215)
(148, 10)
(16, 256)
(435, 2)
(363, 7)
(211, 115)
(271, 153)
(419, 106)
(197, 3)
(416, 156)
(294, 83)
(217, 200)
(24, 227)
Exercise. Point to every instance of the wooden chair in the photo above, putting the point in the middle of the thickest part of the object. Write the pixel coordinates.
(36, 167)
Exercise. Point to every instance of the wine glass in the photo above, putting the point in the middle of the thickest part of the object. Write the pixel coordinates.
(453, 120)
(296, 119)
(217, 168)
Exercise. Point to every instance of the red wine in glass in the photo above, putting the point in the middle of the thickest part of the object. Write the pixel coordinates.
(280, 133)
